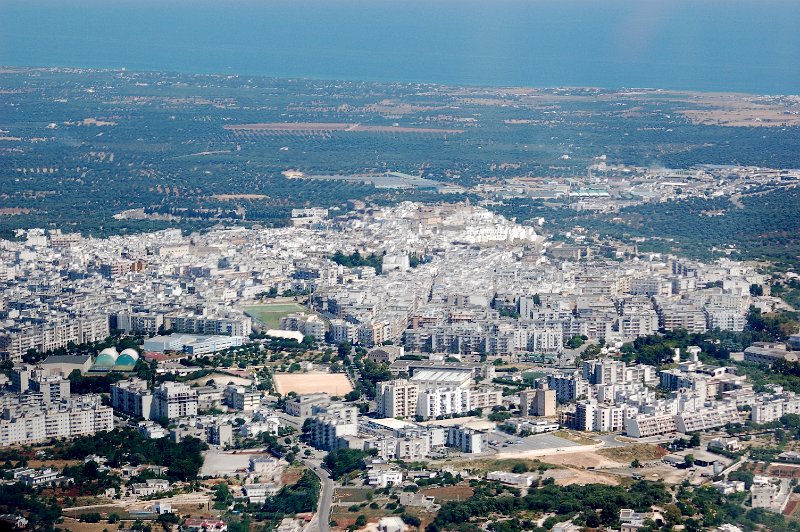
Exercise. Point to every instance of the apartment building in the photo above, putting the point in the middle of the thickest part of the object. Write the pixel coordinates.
(768, 353)
(485, 397)
(140, 322)
(39, 421)
(52, 386)
(644, 426)
(331, 424)
(240, 398)
(539, 402)
(343, 331)
(18, 338)
(437, 402)
(635, 324)
(209, 325)
(568, 387)
(593, 416)
(132, 397)
(306, 324)
(304, 405)
(724, 318)
(174, 399)
(718, 415)
(771, 407)
(397, 398)
(680, 315)
(466, 440)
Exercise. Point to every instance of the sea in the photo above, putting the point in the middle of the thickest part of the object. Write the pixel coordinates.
(704, 45)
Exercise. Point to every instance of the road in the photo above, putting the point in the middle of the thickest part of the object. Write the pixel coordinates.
(322, 518)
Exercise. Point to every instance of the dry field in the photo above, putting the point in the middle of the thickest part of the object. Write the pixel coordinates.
(580, 459)
(352, 495)
(576, 437)
(344, 518)
(327, 127)
(292, 474)
(793, 506)
(738, 110)
(485, 465)
(449, 493)
(641, 452)
(783, 471)
(231, 197)
(303, 383)
(581, 476)
(77, 526)
(13, 211)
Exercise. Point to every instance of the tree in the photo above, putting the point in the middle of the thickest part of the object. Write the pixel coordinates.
(296, 498)
(636, 464)
(222, 496)
(344, 349)
(519, 468)
(343, 461)
(168, 519)
(689, 460)
(410, 520)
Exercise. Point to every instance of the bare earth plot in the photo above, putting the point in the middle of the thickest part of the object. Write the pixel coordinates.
(303, 383)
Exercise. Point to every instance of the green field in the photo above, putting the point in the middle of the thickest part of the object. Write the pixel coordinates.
(270, 315)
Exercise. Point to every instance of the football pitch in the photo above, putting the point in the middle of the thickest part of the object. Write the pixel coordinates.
(270, 314)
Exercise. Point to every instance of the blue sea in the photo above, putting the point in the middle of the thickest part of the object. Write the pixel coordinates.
(707, 45)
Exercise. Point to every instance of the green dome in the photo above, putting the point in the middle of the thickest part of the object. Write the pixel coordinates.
(105, 360)
(125, 359)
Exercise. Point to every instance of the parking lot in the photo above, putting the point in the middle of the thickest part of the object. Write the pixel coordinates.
(537, 442)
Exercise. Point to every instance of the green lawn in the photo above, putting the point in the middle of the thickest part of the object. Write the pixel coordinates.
(270, 315)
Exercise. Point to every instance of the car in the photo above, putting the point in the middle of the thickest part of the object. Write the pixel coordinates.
(519, 441)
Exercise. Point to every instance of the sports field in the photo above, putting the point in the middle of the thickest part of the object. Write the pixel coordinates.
(270, 314)
(302, 383)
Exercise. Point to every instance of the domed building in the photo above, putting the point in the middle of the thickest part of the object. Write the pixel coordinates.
(110, 360)
(128, 358)
(106, 360)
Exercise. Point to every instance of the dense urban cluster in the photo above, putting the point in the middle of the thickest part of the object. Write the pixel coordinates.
(389, 348)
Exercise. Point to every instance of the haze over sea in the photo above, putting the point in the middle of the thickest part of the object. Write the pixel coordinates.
(708, 45)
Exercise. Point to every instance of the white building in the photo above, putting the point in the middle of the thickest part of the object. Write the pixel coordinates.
(173, 400)
(465, 439)
(132, 397)
(330, 424)
(433, 403)
(397, 398)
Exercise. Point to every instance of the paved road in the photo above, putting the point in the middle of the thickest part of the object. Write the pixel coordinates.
(322, 518)
(292, 421)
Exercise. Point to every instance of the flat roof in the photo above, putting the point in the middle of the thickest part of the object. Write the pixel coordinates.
(391, 423)
(445, 376)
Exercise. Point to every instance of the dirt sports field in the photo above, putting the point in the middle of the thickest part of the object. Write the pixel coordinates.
(303, 383)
